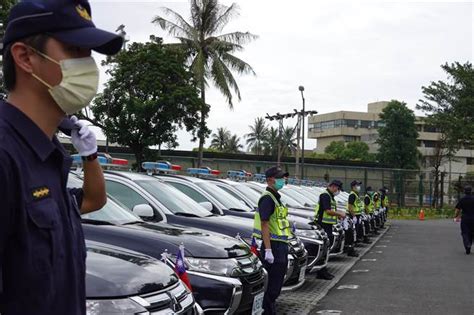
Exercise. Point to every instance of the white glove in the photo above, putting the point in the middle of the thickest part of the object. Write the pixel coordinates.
(82, 138)
(269, 256)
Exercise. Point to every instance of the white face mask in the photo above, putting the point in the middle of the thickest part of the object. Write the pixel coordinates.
(78, 86)
(357, 188)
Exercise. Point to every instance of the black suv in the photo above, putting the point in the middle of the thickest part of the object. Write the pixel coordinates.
(167, 204)
(225, 276)
(119, 280)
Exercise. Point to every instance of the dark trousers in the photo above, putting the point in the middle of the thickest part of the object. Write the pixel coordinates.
(359, 228)
(276, 275)
(349, 237)
(328, 229)
(467, 232)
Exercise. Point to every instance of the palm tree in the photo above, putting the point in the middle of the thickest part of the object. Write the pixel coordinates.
(220, 139)
(233, 145)
(210, 54)
(257, 136)
(270, 143)
(289, 145)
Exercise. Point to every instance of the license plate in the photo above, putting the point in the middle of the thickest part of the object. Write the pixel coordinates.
(257, 308)
(302, 273)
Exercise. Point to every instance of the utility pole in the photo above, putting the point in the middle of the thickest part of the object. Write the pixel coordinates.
(301, 88)
(280, 117)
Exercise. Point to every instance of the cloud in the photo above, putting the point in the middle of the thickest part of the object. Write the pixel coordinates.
(345, 53)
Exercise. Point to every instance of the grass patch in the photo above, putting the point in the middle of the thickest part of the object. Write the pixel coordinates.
(413, 213)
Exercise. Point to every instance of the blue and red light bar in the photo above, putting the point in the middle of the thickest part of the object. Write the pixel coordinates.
(77, 160)
(259, 177)
(242, 174)
(205, 171)
(161, 167)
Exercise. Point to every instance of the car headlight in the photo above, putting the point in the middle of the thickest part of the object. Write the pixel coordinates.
(309, 234)
(122, 306)
(222, 267)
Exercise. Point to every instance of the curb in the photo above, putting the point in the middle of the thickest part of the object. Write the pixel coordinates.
(340, 275)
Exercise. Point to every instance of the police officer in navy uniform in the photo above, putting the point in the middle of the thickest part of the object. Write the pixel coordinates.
(327, 215)
(465, 212)
(49, 73)
(272, 227)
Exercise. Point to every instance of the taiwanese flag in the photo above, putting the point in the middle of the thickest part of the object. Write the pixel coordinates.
(254, 247)
(180, 267)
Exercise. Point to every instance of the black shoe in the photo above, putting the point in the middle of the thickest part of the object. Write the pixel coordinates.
(352, 253)
(468, 251)
(324, 276)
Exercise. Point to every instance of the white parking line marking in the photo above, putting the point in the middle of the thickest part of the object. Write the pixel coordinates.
(325, 312)
(360, 270)
(383, 246)
(348, 286)
(369, 259)
(385, 241)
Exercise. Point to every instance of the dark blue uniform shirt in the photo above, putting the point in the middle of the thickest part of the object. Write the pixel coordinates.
(466, 204)
(42, 248)
(266, 205)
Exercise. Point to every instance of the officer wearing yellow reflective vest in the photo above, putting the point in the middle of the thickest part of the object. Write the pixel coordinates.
(273, 228)
(356, 208)
(327, 215)
(370, 208)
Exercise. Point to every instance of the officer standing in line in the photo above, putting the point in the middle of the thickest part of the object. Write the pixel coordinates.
(327, 216)
(377, 206)
(350, 232)
(369, 208)
(272, 226)
(465, 212)
(385, 202)
(355, 208)
(49, 73)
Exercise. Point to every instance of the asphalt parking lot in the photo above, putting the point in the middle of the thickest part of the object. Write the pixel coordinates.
(413, 268)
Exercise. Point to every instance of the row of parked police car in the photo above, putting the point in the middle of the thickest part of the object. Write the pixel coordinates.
(167, 243)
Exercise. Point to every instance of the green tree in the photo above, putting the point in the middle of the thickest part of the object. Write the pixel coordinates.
(270, 142)
(355, 150)
(220, 139)
(256, 136)
(450, 105)
(5, 6)
(150, 94)
(398, 137)
(209, 53)
(233, 145)
(336, 149)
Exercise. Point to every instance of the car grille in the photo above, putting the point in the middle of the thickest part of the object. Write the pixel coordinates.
(177, 300)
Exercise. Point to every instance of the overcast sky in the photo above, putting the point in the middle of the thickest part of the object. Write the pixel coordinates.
(345, 53)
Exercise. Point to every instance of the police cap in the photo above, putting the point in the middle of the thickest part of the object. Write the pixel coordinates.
(276, 172)
(68, 21)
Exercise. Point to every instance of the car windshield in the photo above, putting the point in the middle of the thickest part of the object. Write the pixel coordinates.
(248, 192)
(308, 196)
(111, 212)
(173, 199)
(226, 199)
(302, 195)
(285, 199)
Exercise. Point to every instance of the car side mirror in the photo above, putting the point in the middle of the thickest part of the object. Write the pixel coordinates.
(207, 205)
(143, 211)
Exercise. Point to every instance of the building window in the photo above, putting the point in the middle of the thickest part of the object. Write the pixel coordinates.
(350, 138)
(430, 144)
(327, 125)
(351, 123)
(431, 129)
(380, 123)
(470, 161)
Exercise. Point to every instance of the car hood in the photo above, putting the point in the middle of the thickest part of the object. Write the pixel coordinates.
(114, 272)
(155, 238)
(223, 224)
